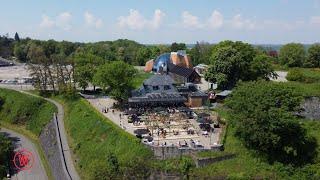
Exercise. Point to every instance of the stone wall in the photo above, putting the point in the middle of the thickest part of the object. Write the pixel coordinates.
(50, 145)
(311, 107)
(201, 162)
(166, 152)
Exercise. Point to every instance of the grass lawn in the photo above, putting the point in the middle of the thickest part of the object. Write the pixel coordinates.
(20, 109)
(310, 88)
(312, 73)
(93, 138)
(139, 78)
(306, 89)
(26, 115)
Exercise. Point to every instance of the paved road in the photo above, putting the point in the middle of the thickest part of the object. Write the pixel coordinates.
(37, 172)
(68, 164)
(65, 146)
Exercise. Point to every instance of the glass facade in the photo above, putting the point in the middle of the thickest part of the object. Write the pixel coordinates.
(161, 63)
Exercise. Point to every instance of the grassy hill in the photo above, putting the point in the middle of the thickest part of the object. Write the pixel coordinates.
(24, 110)
(95, 140)
(27, 115)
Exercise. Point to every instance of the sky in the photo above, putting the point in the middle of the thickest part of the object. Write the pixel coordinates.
(164, 21)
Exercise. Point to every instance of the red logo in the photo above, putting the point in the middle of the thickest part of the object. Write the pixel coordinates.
(23, 160)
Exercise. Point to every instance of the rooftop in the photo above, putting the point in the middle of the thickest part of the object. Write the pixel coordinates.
(182, 71)
(159, 80)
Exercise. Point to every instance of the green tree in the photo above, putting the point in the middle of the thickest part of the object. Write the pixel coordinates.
(234, 61)
(6, 149)
(16, 37)
(142, 56)
(19, 52)
(118, 76)
(107, 170)
(178, 46)
(185, 166)
(155, 51)
(296, 75)
(261, 67)
(6, 46)
(292, 55)
(201, 53)
(313, 59)
(262, 113)
(86, 65)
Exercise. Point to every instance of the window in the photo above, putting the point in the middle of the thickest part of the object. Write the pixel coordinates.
(166, 87)
(155, 88)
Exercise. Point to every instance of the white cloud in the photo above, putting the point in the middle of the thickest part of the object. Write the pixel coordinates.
(215, 21)
(315, 20)
(92, 21)
(46, 22)
(190, 20)
(238, 22)
(61, 21)
(316, 4)
(136, 21)
(157, 18)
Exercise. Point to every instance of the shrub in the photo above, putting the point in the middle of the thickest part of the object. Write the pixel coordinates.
(262, 115)
(296, 75)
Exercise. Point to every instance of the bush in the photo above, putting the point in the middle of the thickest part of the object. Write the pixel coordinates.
(296, 75)
(304, 75)
(6, 149)
(262, 115)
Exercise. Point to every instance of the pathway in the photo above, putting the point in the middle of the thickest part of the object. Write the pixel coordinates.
(37, 171)
(66, 156)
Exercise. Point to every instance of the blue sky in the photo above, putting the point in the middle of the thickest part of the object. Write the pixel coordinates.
(164, 21)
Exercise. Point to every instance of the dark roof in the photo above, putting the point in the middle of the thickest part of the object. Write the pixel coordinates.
(191, 91)
(159, 80)
(182, 71)
(158, 97)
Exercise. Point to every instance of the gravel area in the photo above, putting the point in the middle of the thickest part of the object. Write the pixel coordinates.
(281, 76)
(48, 139)
(311, 108)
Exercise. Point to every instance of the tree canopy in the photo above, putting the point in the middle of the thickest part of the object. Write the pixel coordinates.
(118, 77)
(262, 113)
(313, 59)
(201, 53)
(234, 61)
(292, 55)
(6, 149)
(86, 65)
(178, 46)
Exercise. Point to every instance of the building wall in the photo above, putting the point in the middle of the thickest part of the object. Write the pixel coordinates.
(149, 65)
(183, 61)
(195, 101)
(166, 152)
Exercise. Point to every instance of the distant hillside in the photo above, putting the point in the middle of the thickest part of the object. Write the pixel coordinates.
(275, 47)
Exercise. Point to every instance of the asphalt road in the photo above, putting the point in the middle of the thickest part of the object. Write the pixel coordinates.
(37, 171)
(64, 141)
(66, 157)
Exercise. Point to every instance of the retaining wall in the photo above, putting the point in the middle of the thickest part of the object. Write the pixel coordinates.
(166, 152)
